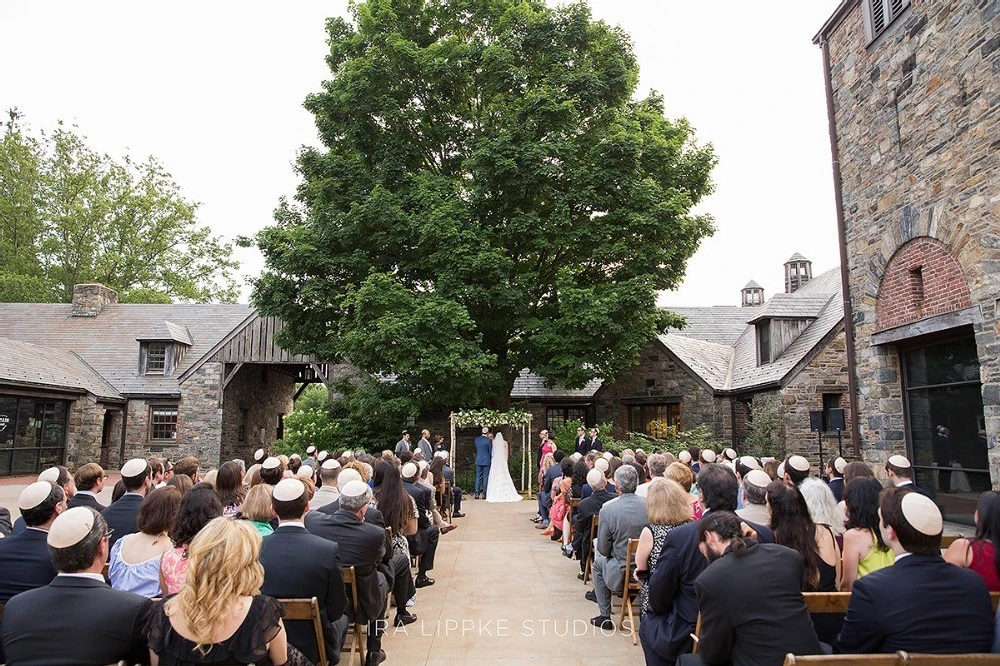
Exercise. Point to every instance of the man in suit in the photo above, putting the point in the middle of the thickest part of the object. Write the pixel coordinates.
(424, 445)
(595, 441)
(484, 447)
(456, 493)
(121, 515)
(89, 481)
(582, 441)
(666, 632)
(310, 458)
(620, 521)
(835, 476)
(300, 565)
(584, 515)
(921, 603)
(58, 475)
(24, 558)
(424, 543)
(5, 524)
(743, 623)
(362, 546)
(900, 473)
(56, 625)
(403, 445)
(796, 470)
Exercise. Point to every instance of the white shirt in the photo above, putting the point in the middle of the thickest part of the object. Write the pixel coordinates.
(324, 495)
(92, 576)
(86, 492)
(292, 523)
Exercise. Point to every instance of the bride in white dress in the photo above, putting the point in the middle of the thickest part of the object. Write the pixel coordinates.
(500, 487)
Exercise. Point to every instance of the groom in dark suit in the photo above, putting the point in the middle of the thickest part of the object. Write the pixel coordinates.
(484, 447)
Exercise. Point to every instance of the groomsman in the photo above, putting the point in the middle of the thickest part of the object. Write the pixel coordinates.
(595, 441)
(403, 445)
(424, 445)
(582, 441)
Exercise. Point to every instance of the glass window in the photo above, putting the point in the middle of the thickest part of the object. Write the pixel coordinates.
(163, 423)
(556, 417)
(8, 421)
(654, 419)
(27, 425)
(156, 357)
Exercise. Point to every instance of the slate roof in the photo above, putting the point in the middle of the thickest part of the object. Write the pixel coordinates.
(107, 342)
(708, 360)
(796, 257)
(721, 324)
(791, 306)
(529, 385)
(166, 331)
(27, 365)
(752, 284)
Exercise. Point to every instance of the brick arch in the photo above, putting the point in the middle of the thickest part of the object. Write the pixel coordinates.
(922, 279)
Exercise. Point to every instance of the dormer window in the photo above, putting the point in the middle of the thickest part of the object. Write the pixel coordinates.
(156, 358)
(162, 348)
(763, 342)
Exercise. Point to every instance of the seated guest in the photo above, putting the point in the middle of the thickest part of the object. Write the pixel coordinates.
(549, 471)
(271, 471)
(24, 558)
(796, 470)
(755, 483)
(657, 464)
(122, 514)
(229, 484)
(76, 620)
(5, 524)
(424, 542)
(456, 493)
(300, 565)
(794, 528)
(190, 467)
(362, 546)
(561, 495)
(683, 475)
(584, 516)
(666, 632)
(156, 472)
(900, 473)
(58, 475)
(620, 520)
(220, 616)
(741, 624)
(981, 553)
(921, 603)
(399, 510)
(578, 477)
(328, 490)
(257, 508)
(771, 467)
(667, 506)
(182, 483)
(835, 475)
(197, 509)
(119, 491)
(864, 549)
(89, 481)
(134, 563)
(823, 507)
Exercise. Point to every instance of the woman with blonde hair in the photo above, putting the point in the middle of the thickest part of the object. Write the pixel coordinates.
(667, 505)
(220, 616)
(257, 508)
(548, 460)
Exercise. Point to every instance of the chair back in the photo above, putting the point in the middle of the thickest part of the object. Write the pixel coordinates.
(827, 602)
(351, 587)
(845, 660)
(308, 609)
(949, 659)
(948, 539)
(633, 584)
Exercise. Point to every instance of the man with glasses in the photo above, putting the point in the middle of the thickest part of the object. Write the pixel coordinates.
(77, 605)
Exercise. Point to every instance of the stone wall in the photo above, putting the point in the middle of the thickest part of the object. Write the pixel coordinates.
(917, 127)
(264, 392)
(84, 428)
(921, 280)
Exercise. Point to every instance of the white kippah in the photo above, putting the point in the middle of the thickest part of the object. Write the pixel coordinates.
(258, 455)
(134, 467)
(594, 477)
(607, 455)
(781, 471)
(922, 514)
(899, 461)
(295, 456)
(329, 464)
(441, 454)
(750, 461)
(601, 464)
(305, 472)
(310, 450)
(758, 478)
(34, 495)
(287, 490)
(287, 474)
(409, 471)
(798, 463)
(730, 453)
(71, 527)
(577, 455)
(346, 476)
(271, 463)
(50, 474)
(840, 465)
(708, 455)
(355, 488)
(348, 454)
(422, 464)
(684, 457)
(323, 455)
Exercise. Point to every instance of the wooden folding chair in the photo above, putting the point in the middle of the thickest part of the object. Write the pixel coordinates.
(588, 568)
(995, 598)
(948, 539)
(351, 583)
(696, 636)
(827, 602)
(104, 572)
(630, 587)
(911, 659)
(574, 502)
(845, 660)
(308, 609)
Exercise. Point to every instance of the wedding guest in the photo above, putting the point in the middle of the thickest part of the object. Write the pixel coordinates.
(657, 465)
(197, 508)
(271, 471)
(823, 507)
(257, 508)
(424, 543)
(209, 477)
(229, 485)
(58, 475)
(24, 558)
(188, 466)
(220, 616)
(754, 489)
(117, 492)
(561, 495)
(182, 482)
(835, 473)
(456, 491)
(920, 604)
(771, 467)
(156, 469)
(667, 506)
(793, 527)
(122, 514)
(399, 510)
(89, 481)
(328, 491)
(981, 553)
(134, 563)
(551, 472)
(584, 516)
(865, 551)
(60, 623)
(683, 475)
(796, 470)
(578, 478)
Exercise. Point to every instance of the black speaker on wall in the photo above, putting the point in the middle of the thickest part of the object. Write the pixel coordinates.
(816, 420)
(836, 417)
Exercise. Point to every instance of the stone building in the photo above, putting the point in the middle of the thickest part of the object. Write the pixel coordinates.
(790, 348)
(97, 380)
(914, 101)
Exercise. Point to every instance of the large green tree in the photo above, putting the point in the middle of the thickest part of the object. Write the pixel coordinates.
(490, 196)
(69, 214)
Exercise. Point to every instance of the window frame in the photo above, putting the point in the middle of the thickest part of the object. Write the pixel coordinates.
(153, 409)
(872, 36)
(763, 341)
(147, 370)
(672, 419)
(565, 409)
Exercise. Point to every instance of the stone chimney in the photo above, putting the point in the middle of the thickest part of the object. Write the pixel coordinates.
(753, 295)
(90, 299)
(798, 271)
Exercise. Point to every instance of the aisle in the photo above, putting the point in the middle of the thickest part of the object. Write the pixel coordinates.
(504, 595)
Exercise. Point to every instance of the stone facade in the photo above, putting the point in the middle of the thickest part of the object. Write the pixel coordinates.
(254, 399)
(84, 432)
(916, 116)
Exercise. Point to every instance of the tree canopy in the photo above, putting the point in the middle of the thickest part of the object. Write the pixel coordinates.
(69, 215)
(490, 196)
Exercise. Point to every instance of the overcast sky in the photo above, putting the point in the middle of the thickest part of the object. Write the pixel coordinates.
(215, 90)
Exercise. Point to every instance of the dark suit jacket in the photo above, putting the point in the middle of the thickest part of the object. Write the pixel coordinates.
(24, 563)
(85, 500)
(837, 488)
(919, 604)
(742, 626)
(373, 517)
(582, 517)
(583, 445)
(361, 545)
(422, 496)
(5, 525)
(121, 516)
(56, 625)
(298, 565)
(596, 444)
(672, 599)
(19, 526)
